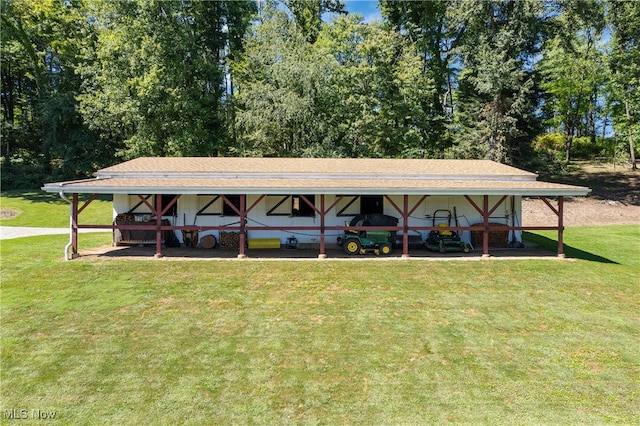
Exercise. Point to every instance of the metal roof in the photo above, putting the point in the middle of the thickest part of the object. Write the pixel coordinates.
(225, 175)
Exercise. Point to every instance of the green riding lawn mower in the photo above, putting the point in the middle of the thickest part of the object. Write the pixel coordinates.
(444, 240)
(361, 242)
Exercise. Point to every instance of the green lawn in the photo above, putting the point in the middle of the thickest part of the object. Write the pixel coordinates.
(42, 209)
(331, 342)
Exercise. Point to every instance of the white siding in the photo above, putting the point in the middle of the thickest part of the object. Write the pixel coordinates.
(189, 205)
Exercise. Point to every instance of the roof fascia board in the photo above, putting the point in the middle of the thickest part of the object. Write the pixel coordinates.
(578, 191)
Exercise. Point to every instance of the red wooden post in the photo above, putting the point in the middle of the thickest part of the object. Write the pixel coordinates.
(158, 213)
(74, 226)
(560, 226)
(323, 254)
(405, 227)
(243, 219)
(485, 231)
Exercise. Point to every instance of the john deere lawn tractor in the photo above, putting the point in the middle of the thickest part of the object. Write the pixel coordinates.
(361, 242)
(444, 240)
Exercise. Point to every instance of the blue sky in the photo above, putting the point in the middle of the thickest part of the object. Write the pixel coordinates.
(367, 8)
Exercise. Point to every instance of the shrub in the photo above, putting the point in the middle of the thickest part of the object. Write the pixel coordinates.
(22, 170)
(585, 149)
(549, 142)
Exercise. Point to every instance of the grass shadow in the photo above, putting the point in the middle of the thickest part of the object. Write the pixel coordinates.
(569, 251)
(38, 196)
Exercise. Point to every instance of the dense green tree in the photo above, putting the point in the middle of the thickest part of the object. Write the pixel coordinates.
(499, 40)
(86, 84)
(41, 126)
(425, 24)
(572, 70)
(624, 60)
(307, 14)
(570, 78)
(156, 78)
(379, 90)
(278, 83)
(357, 91)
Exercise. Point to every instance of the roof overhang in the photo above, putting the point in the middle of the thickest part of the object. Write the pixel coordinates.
(316, 186)
(344, 176)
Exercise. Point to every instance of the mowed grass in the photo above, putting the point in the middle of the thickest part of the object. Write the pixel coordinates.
(41, 209)
(330, 342)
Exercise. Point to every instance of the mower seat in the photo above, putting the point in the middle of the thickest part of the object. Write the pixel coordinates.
(444, 233)
(350, 231)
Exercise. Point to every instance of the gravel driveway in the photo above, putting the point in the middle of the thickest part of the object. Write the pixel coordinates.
(10, 232)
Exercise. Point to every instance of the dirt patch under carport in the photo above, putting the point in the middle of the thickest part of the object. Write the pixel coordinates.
(579, 211)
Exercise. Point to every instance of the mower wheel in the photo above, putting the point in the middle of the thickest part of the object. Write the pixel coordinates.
(385, 248)
(466, 248)
(352, 246)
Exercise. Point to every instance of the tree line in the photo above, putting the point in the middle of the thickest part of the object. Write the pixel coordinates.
(86, 84)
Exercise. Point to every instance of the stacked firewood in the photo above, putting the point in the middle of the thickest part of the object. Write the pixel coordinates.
(497, 238)
(125, 217)
(229, 239)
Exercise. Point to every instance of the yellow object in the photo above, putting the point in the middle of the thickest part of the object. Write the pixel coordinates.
(256, 243)
(444, 233)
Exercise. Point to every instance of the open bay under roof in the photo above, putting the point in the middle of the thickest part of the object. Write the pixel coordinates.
(215, 175)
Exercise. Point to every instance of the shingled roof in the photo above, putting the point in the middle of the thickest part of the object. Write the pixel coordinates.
(345, 176)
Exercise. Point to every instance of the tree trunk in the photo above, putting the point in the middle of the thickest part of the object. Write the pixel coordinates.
(568, 141)
(632, 148)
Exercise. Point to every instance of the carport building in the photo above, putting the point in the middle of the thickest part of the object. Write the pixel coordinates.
(272, 200)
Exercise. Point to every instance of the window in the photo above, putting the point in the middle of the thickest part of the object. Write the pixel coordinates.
(300, 208)
(227, 210)
(371, 204)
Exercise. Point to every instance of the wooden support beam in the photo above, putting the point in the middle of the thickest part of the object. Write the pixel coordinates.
(323, 252)
(243, 223)
(504, 197)
(158, 213)
(138, 205)
(417, 205)
(166, 209)
(310, 204)
(230, 204)
(395, 206)
(475, 206)
(485, 229)
(560, 226)
(405, 212)
(86, 203)
(548, 203)
(405, 226)
(486, 213)
(255, 203)
(144, 200)
(335, 203)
